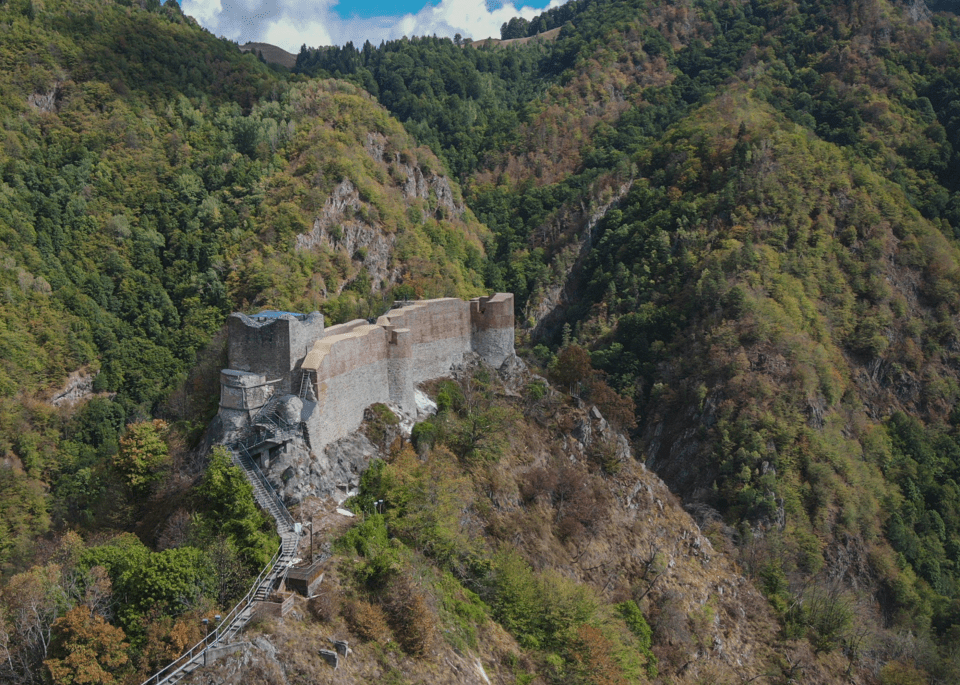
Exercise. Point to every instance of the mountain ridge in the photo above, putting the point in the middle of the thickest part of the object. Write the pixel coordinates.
(741, 217)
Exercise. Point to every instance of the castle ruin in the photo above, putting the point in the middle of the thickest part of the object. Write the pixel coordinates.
(291, 379)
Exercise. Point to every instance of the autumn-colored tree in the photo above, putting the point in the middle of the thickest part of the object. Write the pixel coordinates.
(572, 366)
(143, 455)
(167, 638)
(594, 658)
(572, 369)
(620, 410)
(87, 649)
(367, 620)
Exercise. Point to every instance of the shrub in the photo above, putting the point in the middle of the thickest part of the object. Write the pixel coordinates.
(604, 454)
(633, 617)
(536, 390)
(620, 410)
(593, 658)
(367, 621)
(86, 644)
(449, 397)
(899, 673)
(411, 618)
(541, 610)
(424, 435)
(380, 421)
(380, 559)
(325, 606)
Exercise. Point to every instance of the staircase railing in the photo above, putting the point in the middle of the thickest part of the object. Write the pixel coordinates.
(223, 628)
(235, 618)
(243, 459)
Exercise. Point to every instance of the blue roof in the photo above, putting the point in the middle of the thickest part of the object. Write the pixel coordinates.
(274, 314)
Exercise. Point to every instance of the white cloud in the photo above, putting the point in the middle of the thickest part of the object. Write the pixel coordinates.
(467, 17)
(292, 23)
(204, 11)
(290, 36)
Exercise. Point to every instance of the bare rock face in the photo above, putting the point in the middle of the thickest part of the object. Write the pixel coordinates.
(343, 225)
(291, 409)
(297, 472)
(547, 307)
(47, 101)
(254, 662)
(418, 185)
(351, 224)
(79, 386)
(593, 431)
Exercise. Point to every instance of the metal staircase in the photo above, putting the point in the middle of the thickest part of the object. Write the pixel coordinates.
(268, 580)
(306, 381)
(263, 491)
(269, 414)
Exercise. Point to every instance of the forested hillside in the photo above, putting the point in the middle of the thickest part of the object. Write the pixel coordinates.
(154, 179)
(747, 212)
(731, 225)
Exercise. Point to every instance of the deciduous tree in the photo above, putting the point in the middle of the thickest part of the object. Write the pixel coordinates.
(87, 649)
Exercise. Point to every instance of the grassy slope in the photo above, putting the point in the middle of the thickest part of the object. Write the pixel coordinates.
(515, 544)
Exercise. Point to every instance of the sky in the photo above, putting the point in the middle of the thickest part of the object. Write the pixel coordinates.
(292, 23)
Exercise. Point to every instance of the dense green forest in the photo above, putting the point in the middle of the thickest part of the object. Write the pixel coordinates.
(739, 218)
(154, 179)
(779, 269)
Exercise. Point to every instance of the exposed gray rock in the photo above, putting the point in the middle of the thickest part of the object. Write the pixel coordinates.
(290, 409)
(253, 662)
(79, 386)
(48, 101)
(342, 225)
(515, 374)
(330, 657)
(547, 306)
(298, 473)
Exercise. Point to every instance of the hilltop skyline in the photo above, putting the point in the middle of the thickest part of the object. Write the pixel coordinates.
(290, 24)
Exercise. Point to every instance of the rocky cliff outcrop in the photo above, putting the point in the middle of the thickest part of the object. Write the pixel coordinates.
(343, 226)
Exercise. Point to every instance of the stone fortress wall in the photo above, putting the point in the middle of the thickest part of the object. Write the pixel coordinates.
(338, 372)
(272, 344)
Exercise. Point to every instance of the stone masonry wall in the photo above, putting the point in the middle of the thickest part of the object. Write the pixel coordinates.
(492, 330)
(440, 334)
(350, 364)
(273, 347)
(357, 364)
